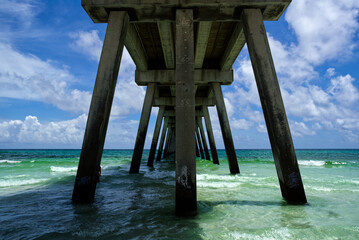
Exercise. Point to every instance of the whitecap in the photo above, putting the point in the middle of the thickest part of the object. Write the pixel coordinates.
(218, 184)
(9, 161)
(14, 183)
(311, 163)
(63, 169)
(322, 189)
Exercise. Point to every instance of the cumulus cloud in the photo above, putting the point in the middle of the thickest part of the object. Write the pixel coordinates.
(69, 133)
(88, 43)
(128, 96)
(32, 131)
(29, 78)
(325, 29)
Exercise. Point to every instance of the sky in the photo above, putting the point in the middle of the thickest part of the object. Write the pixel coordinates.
(49, 53)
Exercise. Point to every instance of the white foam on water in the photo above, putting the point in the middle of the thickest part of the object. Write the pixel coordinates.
(9, 161)
(23, 182)
(339, 163)
(220, 177)
(311, 163)
(322, 189)
(275, 234)
(63, 169)
(218, 184)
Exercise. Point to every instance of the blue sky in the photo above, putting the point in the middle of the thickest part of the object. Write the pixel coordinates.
(49, 52)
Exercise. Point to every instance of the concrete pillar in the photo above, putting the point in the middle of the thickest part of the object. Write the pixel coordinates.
(210, 135)
(225, 128)
(203, 136)
(197, 151)
(273, 108)
(199, 141)
(168, 139)
(156, 133)
(172, 143)
(142, 128)
(162, 141)
(186, 189)
(99, 114)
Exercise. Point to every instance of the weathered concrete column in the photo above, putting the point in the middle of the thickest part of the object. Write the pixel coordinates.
(273, 108)
(203, 136)
(99, 114)
(197, 151)
(225, 128)
(142, 128)
(172, 143)
(210, 135)
(199, 141)
(162, 141)
(186, 189)
(156, 133)
(168, 139)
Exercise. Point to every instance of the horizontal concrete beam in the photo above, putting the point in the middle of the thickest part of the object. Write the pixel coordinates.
(135, 48)
(170, 101)
(234, 47)
(204, 10)
(167, 77)
(171, 113)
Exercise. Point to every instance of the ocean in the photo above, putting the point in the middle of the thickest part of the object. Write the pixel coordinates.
(36, 188)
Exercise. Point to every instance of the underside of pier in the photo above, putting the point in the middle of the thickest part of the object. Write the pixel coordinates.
(184, 51)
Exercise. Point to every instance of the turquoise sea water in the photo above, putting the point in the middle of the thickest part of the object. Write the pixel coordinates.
(36, 188)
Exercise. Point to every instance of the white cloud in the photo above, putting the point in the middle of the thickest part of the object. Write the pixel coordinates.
(343, 90)
(128, 96)
(322, 35)
(20, 10)
(241, 124)
(300, 129)
(121, 132)
(325, 29)
(32, 131)
(88, 43)
(30, 78)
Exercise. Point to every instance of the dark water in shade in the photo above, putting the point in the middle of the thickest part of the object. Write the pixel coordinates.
(36, 188)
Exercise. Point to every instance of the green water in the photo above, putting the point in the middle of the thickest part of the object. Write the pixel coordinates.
(36, 188)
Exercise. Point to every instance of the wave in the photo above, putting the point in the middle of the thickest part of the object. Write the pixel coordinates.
(9, 161)
(218, 184)
(63, 169)
(14, 183)
(311, 163)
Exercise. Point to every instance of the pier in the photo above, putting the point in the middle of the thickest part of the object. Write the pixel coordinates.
(184, 51)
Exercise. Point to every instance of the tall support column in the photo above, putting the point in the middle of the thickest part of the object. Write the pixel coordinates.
(99, 114)
(162, 141)
(172, 143)
(168, 139)
(142, 128)
(156, 133)
(199, 141)
(203, 136)
(225, 128)
(273, 108)
(197, 151)
(186, 189)
(210, 135)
